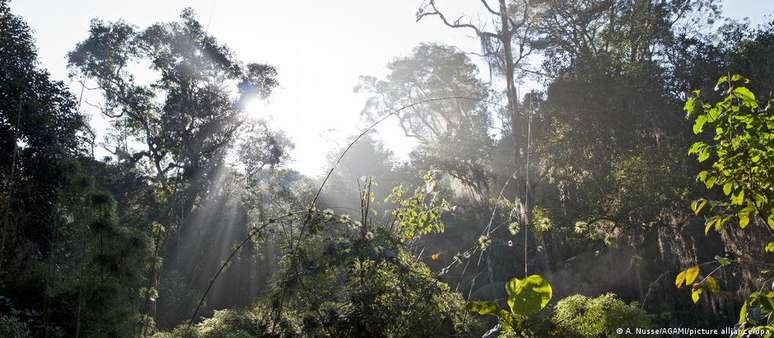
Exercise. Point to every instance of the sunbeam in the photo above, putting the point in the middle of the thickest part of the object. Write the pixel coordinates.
(433, 168)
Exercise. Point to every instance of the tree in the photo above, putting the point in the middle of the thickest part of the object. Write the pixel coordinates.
(506, 50)
(39, 127)
(621, 32)
(367, 163)
(176, 128)
(606, 128)
(253, 187)
(447, 110)
(514, 28)
(70, 266)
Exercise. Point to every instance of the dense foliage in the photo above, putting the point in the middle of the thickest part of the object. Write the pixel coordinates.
(563, 211)
(741, 152)
(580, 316)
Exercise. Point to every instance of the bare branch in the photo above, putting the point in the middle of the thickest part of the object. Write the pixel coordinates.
(456, 23)
(488, 8)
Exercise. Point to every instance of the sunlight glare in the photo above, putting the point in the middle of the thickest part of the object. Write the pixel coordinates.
(257, 109)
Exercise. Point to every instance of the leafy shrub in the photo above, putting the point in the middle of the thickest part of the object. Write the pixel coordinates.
(243, 323)
(526, 298)
(13, 327)
(581, 316)
(368, 285)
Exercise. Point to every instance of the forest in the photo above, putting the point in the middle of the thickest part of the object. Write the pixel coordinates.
(628, 192)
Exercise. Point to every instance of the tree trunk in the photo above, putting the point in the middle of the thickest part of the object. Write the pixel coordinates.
(505, 37)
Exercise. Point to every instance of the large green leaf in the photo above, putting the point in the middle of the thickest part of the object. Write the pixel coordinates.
(528, 296)
(482, 307)
(746, 95)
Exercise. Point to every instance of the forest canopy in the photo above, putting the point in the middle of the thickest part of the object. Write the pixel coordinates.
(595, 168)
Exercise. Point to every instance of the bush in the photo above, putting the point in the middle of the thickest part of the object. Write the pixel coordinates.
(13, 327)
(360, 281)
(580, 316)
(244, 323)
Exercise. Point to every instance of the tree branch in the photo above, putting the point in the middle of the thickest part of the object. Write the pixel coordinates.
(456, 24)
(488, 8)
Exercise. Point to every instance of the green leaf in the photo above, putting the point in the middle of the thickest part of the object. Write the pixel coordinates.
(704, 154)
(528, 296)
(767, 301)
(696, 294)
(745, 94)
(690, 106)
(727, 188)
(723, 79)
(723, 261)
(770, 221)
(743, 311)
(696, 147)
(482, 307)
(697, 205)
(698, 125)
(680, 279)
(507, 321)
(713, 114)
(770, 247)
(738, 199)
(691, 274)
(712, 284)
(744, 219)
(714, 221)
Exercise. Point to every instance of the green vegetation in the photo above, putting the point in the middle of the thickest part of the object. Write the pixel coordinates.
(563, 211)
(580, 316)
(526, 297)
(742, 162)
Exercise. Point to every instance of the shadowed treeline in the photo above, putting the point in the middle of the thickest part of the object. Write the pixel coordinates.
(629, 188)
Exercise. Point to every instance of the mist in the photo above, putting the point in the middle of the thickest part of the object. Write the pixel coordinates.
(499, 168)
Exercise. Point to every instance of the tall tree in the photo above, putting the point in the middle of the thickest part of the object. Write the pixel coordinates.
(443, 104)
(39, 128)
(177, 126)
(64, 250)
(506, 49)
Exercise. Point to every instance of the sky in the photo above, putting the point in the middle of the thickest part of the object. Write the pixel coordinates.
(319, 48)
